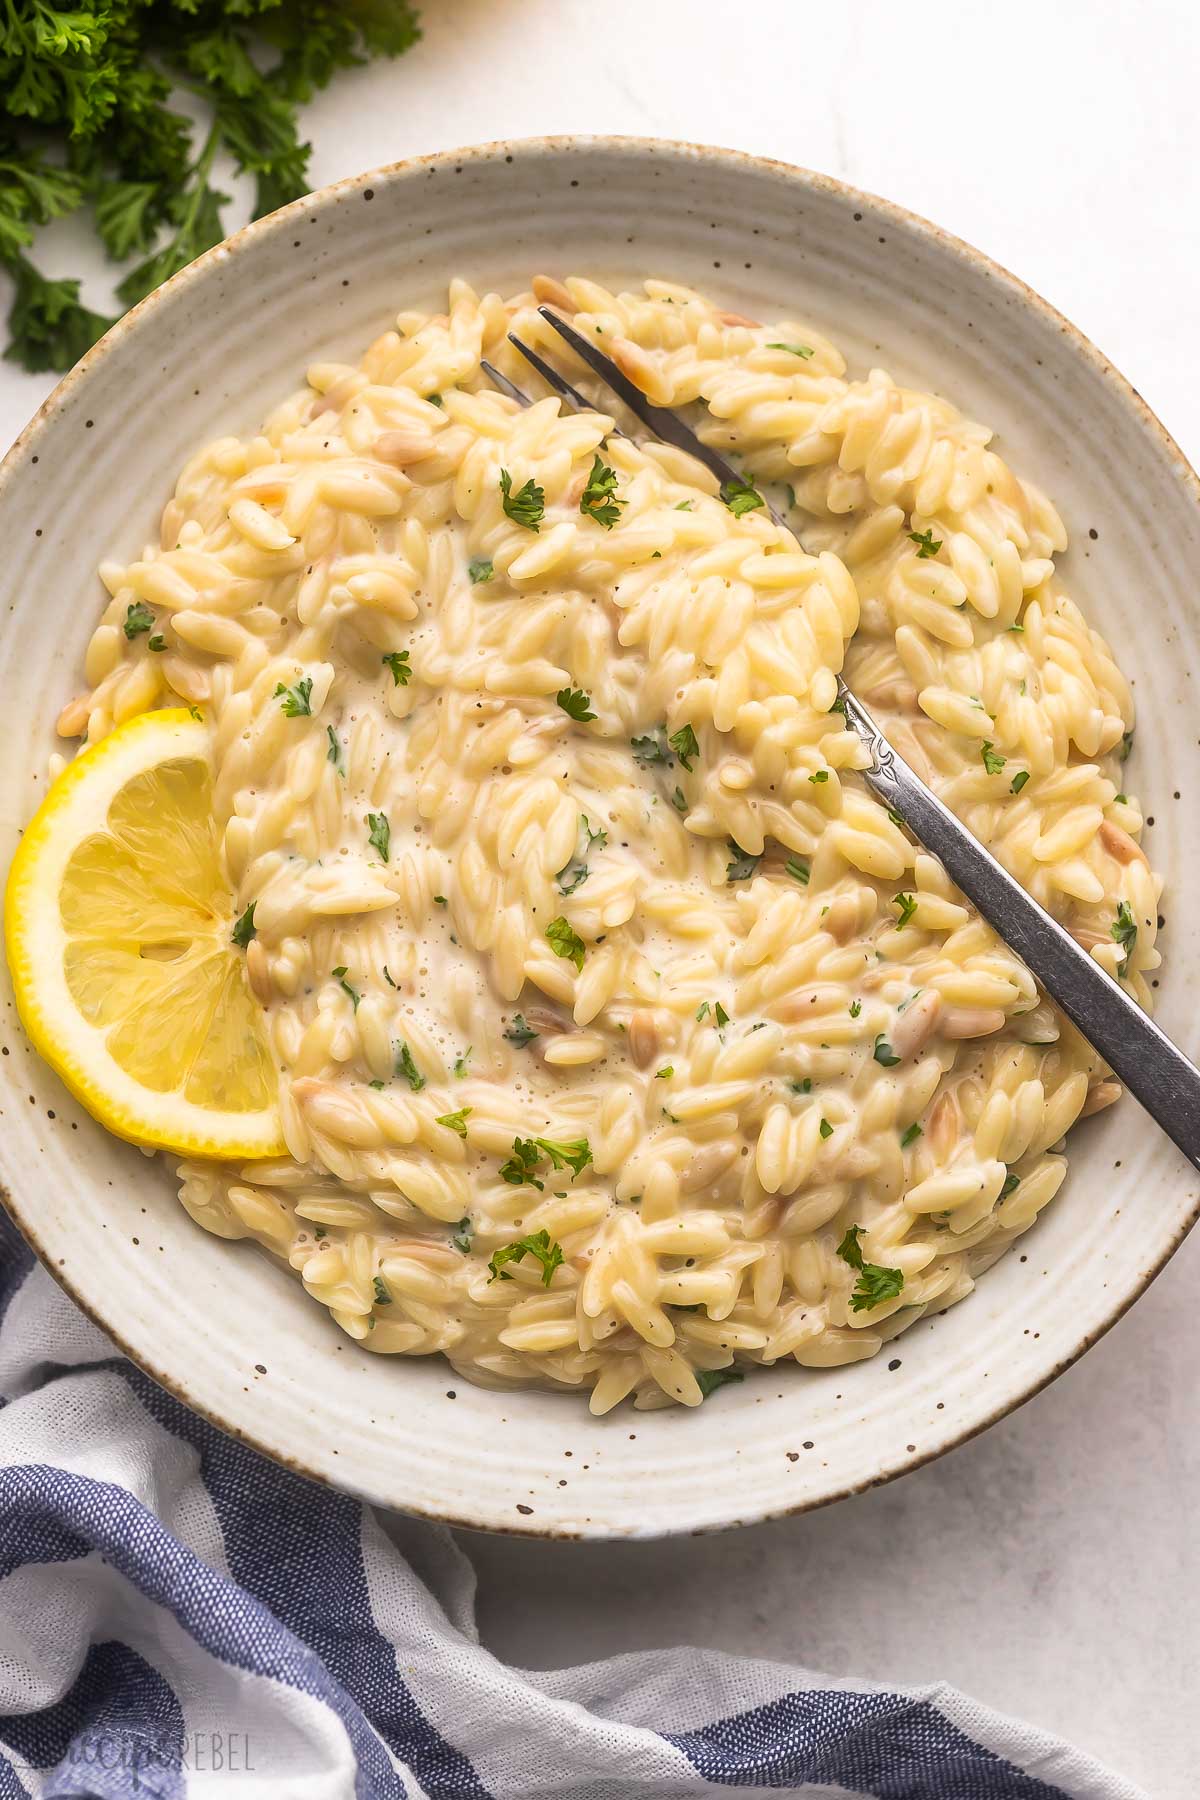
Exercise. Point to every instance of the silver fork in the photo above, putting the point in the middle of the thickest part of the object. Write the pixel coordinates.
(1154, 1069)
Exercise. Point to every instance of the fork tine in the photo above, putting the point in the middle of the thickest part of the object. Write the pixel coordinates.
(504, 384)
(659, 419)
(550, 375)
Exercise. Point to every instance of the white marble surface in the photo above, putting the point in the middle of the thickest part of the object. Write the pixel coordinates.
(1051, 1567)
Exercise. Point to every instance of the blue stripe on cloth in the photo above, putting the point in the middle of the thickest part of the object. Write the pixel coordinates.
(876, 1744)
(223, 1619)
(297, 1547)
(16, 1260)
(117, 1731)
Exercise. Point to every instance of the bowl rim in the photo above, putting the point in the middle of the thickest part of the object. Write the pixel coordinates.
(554, 145)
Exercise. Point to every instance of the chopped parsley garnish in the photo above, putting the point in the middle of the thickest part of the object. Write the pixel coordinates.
(683, 743)
(679, 801)
(652, 748)
(157, 643)
(355, 996)
(819, 776)
(874, 1284)
(480, 569)
(599, 498)
(379, 1085)
(803, 350)
(884, 1054)
(245, 929)
(387, 977)
(910, 1136)
(456, 1121)
(539, 1245)
(927, 544)
(742, 865)
(527, 506)
(382, 1297)
(529, 1153)
(379, 834)
(992, 761)
(684, 505)
(1018, 782)
(1125, 931)
(1126, 746)
(462, 1237)
(296, 701)
(718, 1012)
(565, 942)
(138, 618)
(575, 1155)
(797, 870)
(397, 662)
(707, 1380)
(826, 1129)
(404, 1065)
(440, 900)
(907, 904)
(855, 1008)
(894, 816)
(519, 1033)
(1011, 1184)
(576, 704)
(460, 1063)
(740, 496)
(334, 752)
(801, 1087)
(665, 1074)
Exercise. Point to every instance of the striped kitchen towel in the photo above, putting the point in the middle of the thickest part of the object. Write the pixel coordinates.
(179, 1616)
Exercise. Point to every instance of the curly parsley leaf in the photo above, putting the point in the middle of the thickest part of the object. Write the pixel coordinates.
(599, 498)
(480, 570)
(927, 544)
(456, 1121)
(651, 749)
(875, 1284)
(519, 1033)
(992, 761)
(397, 662)
(138, 619)
(576, 704)
(527, 506)
(683, 743)
(741, 865)
(1125, 931)
(296, 701)
(740, 496)
(565, 942)
(907, 906)
(539, 1245)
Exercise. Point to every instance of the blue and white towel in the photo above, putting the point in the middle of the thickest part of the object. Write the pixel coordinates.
(178, 1617)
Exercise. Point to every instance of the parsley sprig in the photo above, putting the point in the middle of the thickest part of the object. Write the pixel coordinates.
(875, 1284)
(89, 120)
(539, 1245)
(599, 498)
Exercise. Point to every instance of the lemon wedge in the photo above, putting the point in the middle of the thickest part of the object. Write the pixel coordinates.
(118, 930)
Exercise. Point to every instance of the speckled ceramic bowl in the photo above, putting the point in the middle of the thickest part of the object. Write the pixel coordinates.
(217, 1323)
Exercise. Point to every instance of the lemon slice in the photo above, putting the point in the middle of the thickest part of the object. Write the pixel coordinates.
(117, 924)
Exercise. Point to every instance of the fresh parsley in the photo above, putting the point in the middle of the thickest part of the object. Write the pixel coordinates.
(539, 1245)
(157, 643)
(652, 748)
(519, 1033)
(679, 800)
(826, 1129)
(90, 119)
(741, 865)
(708, 1380)
(334, 752)
(296, 701)
(529, 1153)
(927, 544)
(382, 1297)
(992, 761)
(740, 496)
(907, 905)
(576, 704)
(404, 1065)
(527, 506)
(883, 1053)
(565, 942)
(1018, 782)
(462, 1064)
(683, 743)
(463, 1237)
(138, 619)
(910, 1136)
(599, 498)
(354, 994)
(480, 570)
(875, 1284)
(397, 661)
(379, 834)
(819, 776)
(803, 350)
(1125, 931)
(456, 1121)
(797, 870)
(245, 928)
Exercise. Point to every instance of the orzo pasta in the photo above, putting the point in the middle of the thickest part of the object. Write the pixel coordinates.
(621, 1035)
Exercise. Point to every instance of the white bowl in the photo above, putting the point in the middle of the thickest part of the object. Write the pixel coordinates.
(217, 1323)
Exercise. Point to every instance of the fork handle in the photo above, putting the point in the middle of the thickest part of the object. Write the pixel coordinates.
(1154, 1069)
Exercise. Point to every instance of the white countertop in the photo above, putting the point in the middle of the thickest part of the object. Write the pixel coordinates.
(1050, 1567)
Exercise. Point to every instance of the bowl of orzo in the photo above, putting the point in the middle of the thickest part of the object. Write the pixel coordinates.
(441, 852)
